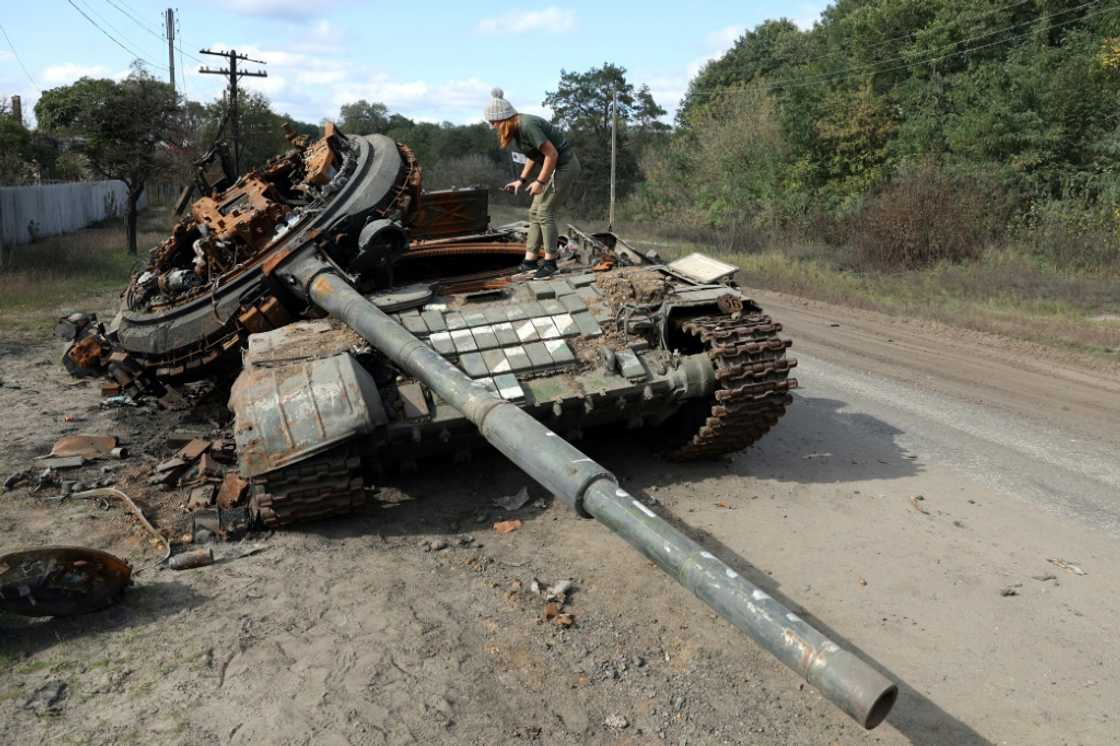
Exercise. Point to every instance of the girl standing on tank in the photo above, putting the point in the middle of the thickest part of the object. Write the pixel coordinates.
(542, 143)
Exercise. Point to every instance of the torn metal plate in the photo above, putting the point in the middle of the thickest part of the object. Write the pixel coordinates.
(703, 269)
(61, 581)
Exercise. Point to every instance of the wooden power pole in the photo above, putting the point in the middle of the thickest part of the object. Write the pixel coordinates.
(614, 158)
(234, 75)
(169, 21)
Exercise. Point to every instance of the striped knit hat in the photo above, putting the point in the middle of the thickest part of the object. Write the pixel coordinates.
(498, 108)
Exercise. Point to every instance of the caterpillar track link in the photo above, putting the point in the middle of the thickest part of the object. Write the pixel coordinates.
(324, 486)
(753, 384)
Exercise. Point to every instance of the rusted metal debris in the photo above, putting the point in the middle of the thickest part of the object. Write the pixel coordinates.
(61, 581)
(192, 559)
(132, 508)
(89, 447)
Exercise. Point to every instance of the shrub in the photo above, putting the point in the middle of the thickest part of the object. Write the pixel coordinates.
(1072, 234)
(924, 216)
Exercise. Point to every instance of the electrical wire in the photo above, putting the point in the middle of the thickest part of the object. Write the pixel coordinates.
(931, 54)
(853, 72)
(113, 38)
(20, 61)
(137, 21)
(911, 34)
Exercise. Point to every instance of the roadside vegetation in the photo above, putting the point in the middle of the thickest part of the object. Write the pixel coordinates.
(75, 272)
(946, 159)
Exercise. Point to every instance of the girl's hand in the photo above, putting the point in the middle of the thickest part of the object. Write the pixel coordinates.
(513, 187)
(536, 188)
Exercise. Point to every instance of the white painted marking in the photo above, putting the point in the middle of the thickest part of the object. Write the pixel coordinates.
(644, 509)
(758, 595)
(526, 332)
(707, 555)
(793, 617)
(731, 573)
(622, 493)
(582, 461)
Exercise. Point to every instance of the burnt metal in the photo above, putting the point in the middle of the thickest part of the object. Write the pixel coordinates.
(852, 685)
(453, 212)
(191, 559)
(61, 581)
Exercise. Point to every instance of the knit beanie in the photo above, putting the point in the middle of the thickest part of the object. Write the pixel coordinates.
(498, 108)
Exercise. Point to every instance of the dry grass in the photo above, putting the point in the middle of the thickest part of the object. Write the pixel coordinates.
(70, 272)
(1003, 291)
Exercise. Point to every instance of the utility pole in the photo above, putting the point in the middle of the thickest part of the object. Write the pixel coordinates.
(169, 22)
(614, 159)
(234, 75)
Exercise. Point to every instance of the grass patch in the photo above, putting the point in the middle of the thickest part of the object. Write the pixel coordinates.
(68, 271)
(1005, 290)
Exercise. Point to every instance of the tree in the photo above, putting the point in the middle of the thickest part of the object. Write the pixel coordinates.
(364, 118)
(15, 151)
(122, 128)
(582, 105)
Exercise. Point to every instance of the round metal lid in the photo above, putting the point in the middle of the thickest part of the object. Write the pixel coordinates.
(402, 298)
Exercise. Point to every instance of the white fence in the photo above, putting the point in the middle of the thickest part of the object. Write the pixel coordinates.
(28, 213)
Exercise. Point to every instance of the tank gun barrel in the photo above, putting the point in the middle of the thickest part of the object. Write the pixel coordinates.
(851, 684)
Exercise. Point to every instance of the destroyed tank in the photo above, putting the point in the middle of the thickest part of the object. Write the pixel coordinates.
(376, 325)
(616, 339)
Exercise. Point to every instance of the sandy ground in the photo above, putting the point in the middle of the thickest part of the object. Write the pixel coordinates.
(350, 632)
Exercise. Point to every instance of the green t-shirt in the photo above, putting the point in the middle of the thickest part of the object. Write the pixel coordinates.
(533, 132)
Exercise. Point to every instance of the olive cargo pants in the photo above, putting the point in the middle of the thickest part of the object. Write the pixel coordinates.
(542, 212)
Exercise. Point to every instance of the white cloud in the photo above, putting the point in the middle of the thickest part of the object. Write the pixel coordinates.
(808, 14)
(289, 9)
(68, 72)
(519, 21)
(717, 42)
(724, 37)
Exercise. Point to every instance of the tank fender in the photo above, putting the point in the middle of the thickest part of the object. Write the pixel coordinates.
(284, 414)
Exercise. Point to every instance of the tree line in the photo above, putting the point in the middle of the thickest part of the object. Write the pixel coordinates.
(893, 125)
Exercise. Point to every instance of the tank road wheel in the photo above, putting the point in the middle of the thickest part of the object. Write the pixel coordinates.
(327, 485)
(752, 386)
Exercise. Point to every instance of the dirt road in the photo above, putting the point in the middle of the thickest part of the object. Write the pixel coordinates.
(910, 505)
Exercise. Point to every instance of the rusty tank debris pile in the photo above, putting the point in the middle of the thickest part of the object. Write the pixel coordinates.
(371, 326)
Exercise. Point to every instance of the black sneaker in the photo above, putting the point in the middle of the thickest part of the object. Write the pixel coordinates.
(548, 269)
(528, 265)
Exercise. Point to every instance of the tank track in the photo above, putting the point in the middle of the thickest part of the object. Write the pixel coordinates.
(327, 485)
(752, 383)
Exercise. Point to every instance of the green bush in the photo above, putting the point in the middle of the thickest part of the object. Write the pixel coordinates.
(1072, 234)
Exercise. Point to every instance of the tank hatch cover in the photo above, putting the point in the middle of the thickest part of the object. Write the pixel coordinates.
(703, 269)
(403, 298)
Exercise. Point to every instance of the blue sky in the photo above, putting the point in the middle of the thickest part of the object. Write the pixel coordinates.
(430, 60)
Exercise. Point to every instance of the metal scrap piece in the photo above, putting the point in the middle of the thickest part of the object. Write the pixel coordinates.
(61, 581)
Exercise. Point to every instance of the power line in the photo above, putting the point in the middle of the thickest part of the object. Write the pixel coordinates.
(136, 20)
(852, 72)
(932, 53)
(149, 29)
(88, 4)
(113, 38)
(232, 58)
(910, 34)
(14, 52)
(182, 67)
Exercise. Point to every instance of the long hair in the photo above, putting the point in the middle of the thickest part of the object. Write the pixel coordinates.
(507, 128)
